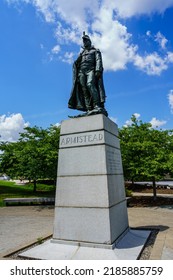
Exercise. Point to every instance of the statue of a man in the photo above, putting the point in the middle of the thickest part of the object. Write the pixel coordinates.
(88, 93)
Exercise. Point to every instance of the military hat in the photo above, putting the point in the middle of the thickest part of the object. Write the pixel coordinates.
(85, 37)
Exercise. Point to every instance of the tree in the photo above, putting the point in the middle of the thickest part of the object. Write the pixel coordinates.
(170, 156)
(144, 151)
(34, 156)
(8, 158)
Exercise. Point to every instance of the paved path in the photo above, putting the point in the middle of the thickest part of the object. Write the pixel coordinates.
(23, 225)
(151, 194)
(156, 217)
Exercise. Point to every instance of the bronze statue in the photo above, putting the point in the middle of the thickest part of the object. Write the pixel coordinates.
(88, 93)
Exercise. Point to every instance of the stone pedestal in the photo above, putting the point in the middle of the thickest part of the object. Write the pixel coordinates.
(91, 221)
(90, 199)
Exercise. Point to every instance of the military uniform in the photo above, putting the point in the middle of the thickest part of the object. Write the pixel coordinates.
(88, 90)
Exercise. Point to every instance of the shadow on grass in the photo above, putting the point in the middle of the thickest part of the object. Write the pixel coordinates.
(11, 190)
(14, 190)
(147, 201)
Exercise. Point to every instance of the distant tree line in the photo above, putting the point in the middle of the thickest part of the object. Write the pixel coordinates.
(147, 153)
(34, 156)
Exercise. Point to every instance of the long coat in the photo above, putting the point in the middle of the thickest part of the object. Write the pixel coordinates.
(76, 100)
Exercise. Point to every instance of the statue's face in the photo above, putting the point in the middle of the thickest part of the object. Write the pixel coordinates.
(86, 43)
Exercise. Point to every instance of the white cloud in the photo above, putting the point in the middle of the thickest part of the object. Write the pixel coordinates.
(148, 33)
(11, 126)
(161, 40)
(131, 8)
(41, 46)
(170, 57)
(152, 63)
(64, 35)
(112, 38)
(68, 57)
(102, 19)
(154, 122)
(56, 49)
(170, 99)
(57, 124)
(50, 8)
(54, 52)
(137, 115)
(157, 123)
(129, 122)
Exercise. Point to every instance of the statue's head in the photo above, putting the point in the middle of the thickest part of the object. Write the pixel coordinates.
(86, 41)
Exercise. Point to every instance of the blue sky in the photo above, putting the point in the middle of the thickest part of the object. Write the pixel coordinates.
(40, 39)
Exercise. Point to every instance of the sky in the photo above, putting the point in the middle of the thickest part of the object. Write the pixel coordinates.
(40, 39)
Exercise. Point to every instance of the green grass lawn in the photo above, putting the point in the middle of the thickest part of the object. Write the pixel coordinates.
(10, 189)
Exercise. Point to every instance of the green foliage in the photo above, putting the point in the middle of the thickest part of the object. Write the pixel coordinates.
(40, 240)
(146, 152)
(34, 156)
(128, 192)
